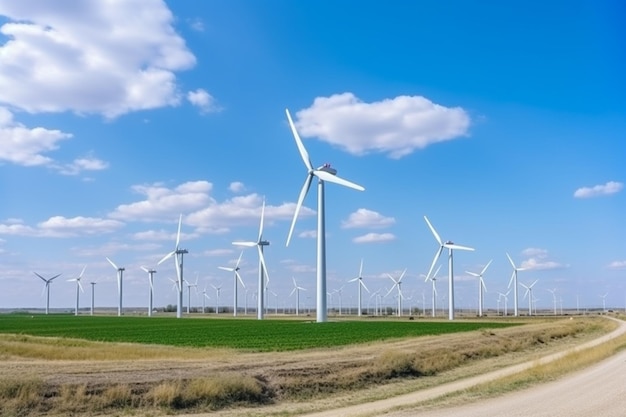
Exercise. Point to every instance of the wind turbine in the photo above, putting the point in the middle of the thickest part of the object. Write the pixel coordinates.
(205, 297)
(79, 288)
(433, 279)
(46, 288)
(236, 277)
(217, 289)
(259, 243)
(179, 268)
(396, 284)
(514, 281)
(151, 273)
(529, 293)
(604, 302)
(93, 295)
(361, 285)
(506, 299)
(296, 289)
(120, 275)
(189, 286)
(451, 246)
(553, 291)
(324, 174)
(481, 287)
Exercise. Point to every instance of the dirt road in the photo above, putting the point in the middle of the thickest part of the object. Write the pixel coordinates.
(598, 390)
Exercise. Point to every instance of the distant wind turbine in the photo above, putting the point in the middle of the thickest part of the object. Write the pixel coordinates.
(120, 276)
(553, 291)
(189, 287)
(151, 273)
(296, 290)
(46, 288)
(433, 280)
(263, 272)
(514, 282)
(481, 287)
(79, 288)
(324, 174)
(529, 293)
(604, 302)
(506, 299)
(178, 254)
(397, 285)
(93, 295)
(451, 246)
(236, 277)
(361, 285)
(217, 289)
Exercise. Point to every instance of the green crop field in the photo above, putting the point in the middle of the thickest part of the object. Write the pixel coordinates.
(247, 334)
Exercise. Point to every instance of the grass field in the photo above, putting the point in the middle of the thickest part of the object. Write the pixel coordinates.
(247, 334)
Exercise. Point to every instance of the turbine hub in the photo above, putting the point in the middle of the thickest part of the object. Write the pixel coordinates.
(326, 167)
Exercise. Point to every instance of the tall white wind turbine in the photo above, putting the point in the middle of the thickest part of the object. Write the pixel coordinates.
(263, 273)
(397, 283)
(324, 174)
(481, 287)
(361, 285)
(46, 288)
(178, 254)
(451, 246)
(513, 281)
(553, 291)
(189, 287)
(79, 288)
(120, 276)
(529, 294)
(433, 280)
(296, 289)
(236, 277)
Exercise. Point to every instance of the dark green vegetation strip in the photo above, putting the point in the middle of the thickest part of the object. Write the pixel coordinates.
(254, 335)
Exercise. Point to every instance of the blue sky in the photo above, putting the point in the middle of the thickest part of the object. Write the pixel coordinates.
(503, 122)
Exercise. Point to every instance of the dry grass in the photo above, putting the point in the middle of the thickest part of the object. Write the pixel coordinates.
(248, 380)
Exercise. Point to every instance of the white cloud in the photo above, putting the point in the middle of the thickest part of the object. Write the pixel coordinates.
(538, 260)
(617, 265)
(374, 238)
(236, 187)
(58, 226)
(364, 218)
(203, 100)
(395, 126)
(609, 188)
(308, 234)
(26, 146)
(103, 57)
(162, 202)
(83, 164)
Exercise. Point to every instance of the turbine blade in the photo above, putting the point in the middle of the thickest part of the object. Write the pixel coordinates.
(225, 268)
(402, 275)
(531, 285)
(474, 274)
(166, 257)
(328, 177)
(482, 282)
(262, 258)
(240, 280)
(42, 278)
(82, 272)
(112, 263)
(261, 226)
(511, 280)
(432, 229)
(238, 260)
(353, 279)
(80, 285)
(361, 269)
(245, 244)
(511, 260)
(457, 247)
(435, 259)
(364, 286)
(303, 153)
(180, 221)
(145, 269)
(486, 266)
(391, 289)
(303, 193)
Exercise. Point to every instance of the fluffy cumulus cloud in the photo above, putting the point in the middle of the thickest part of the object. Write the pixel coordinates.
(105, 57)
(236, 187)
(617, 265)
(396, 126)
(374, 238)
(538, 260)
(364, 218)
(26, 146)
(59, 226)
(161, 202)
(203, 100)
(609, 188)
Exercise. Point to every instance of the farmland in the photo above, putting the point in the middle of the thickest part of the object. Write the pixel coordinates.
(62, 365)
(245, 334)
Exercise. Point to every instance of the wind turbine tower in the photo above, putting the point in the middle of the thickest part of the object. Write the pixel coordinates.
(237, 277)
(324, 174)
(263, 273)
(451, 246)
(361, 286)
(79, 289)
(93, 295)
(120, 276)
(529, 294)
(46, 288)
(514, 282)
(178, 254)
(151, 273)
